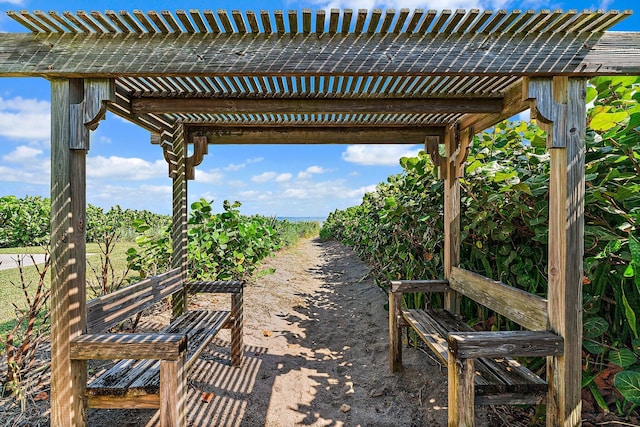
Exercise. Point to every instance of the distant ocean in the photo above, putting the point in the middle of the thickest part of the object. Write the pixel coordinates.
(320, 219)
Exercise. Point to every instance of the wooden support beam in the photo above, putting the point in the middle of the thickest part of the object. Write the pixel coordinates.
(95, 55)
(451, 214)
(180, 216)
(395, 332)
(461, 391)
(68, 255)
(513, 103)
(314, 135)
(237, 327)
(316, 106)
(564, 101)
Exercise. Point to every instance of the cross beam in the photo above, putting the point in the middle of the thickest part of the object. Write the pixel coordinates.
(314, 135)
(315, 106)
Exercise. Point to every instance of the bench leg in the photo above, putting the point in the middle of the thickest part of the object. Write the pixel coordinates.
(173, 392)
(395, 332)
(236, 329)
(461, 391)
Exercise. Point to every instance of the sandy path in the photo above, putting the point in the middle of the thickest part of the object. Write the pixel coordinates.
(316, 353)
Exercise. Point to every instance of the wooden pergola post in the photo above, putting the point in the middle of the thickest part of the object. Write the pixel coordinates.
(76, 107)
(560, 108)
(449, 169)
(68, 255)
(180, 213)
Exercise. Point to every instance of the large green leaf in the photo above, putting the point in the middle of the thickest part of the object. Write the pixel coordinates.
(595, 327)
(623, 358)
(605, 121)
(628, 384)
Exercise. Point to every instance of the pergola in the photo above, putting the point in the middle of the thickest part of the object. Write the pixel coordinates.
(324, 77)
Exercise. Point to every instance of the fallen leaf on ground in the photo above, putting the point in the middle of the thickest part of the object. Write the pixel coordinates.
(43, 395)
(345, 408)
(267, 333)
(206, 397)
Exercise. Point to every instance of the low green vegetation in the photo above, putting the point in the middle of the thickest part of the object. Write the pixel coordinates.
(398, 230)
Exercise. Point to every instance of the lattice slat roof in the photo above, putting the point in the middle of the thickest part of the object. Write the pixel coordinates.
(305, 22)
(392, 62)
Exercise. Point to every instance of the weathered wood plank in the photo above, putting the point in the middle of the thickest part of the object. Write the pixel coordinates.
(461, 393)
(395, 332)
(309, 106)
(525, 309)
(145, 401)
(314, 135)
(220, 286)
(180, 217)
(68, 256)
(95, 55)
(449, 170)
(237, 327)
(463, 345)
(108, 310)
(513, 103)
(402, 286)
(173, 393)
(152, 346)
(566, 251)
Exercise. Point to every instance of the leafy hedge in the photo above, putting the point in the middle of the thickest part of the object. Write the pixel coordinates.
(221, 246)
(398, 228)
(27, 222)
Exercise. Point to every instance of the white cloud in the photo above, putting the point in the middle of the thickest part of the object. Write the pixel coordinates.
(310, 171)
(234, 167)
(383, 155)
(283, 177)
(16, 2)
(22, 118)
(125, 169)
(211, 177)
(22, 154)
(155, 198)
(264, 177)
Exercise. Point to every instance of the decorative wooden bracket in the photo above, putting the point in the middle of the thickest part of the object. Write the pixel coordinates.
(462, 153)
(200, 148)
(548, 100)
(432, 146)
(86, 115)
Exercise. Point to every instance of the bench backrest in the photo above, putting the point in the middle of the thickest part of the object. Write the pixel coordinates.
(107, 311)
(527, 310)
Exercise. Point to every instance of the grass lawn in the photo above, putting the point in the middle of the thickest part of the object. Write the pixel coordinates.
(11, 292)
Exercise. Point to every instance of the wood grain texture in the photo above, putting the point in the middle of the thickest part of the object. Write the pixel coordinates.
(401, 286)
(310, 106)
(464, 345)
(180, 216)
(68, 257)
(109, 310)
(513, 103)
(566, 251)
(525, 309)
(173, 393)
(152, 346)
(95, 55)
(461, 394)
(451, 213)
(271, 134)
(395, 332)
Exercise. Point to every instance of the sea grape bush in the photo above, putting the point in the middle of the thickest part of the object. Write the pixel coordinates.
(222, 246)
(398, 229)
(26, 221)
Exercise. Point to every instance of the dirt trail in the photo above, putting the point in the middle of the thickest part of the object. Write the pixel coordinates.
(316, 353)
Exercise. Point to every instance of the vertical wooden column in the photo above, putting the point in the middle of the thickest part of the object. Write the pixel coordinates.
(451, 213)
(560, 107)
(179, 223)
(68, 256)
(395, 331)
(237, 327)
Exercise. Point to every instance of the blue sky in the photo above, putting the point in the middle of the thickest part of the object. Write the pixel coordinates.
(124, 168)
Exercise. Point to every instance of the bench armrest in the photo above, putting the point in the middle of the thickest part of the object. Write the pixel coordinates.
(219, 286)
(471, 345)
(128, 346)
(402, 286)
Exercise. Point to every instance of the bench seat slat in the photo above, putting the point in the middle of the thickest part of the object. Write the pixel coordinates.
(497, 381)
(138, 378)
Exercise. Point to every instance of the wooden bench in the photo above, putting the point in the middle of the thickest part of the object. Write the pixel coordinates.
(480, 366)
(152, 367)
